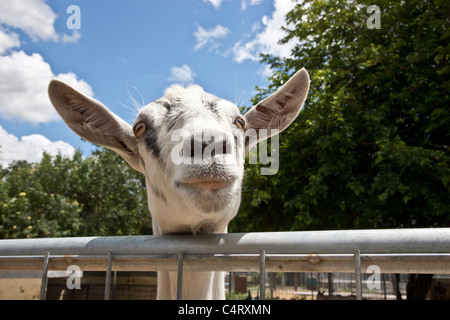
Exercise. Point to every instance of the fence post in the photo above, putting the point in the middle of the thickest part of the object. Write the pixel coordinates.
(180, 276)
(108, 276)
(262, 272)
(44, 281)
(330, 284)
(358, 275)
(114, 285)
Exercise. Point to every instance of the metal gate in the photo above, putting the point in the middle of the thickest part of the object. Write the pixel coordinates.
(391, 250)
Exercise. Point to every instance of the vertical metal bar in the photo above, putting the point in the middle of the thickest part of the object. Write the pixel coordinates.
(114, 285)
(262, 274)
(230, 280)
(180, 276)
(330, 284)
(272, 281)
(44, 280)
(108, 276)
(358, 275)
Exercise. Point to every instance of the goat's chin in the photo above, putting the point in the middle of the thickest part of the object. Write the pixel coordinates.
(209, 195)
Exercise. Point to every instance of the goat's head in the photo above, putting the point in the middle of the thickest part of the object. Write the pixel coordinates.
(189, 144)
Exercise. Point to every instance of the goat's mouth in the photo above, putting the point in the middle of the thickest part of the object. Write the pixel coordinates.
(209, 194)
(205, 184)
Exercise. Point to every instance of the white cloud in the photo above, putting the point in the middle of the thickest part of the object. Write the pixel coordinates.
(23, 87)
(266, 41)
(76, 35)
(79, 84)
(246, 3)
(34, 17)
(183, 74)
(209, 36)
(24, 79)
(265, 72)
(215, 3)
(8, 40)
(29, 148)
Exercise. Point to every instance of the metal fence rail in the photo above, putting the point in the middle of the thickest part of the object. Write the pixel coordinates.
(392, 250)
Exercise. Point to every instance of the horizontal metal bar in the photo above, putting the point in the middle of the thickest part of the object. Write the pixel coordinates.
(388, 263)
(432, 240)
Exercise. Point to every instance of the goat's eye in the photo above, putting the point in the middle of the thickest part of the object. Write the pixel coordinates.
(240, 123)
(139, 129)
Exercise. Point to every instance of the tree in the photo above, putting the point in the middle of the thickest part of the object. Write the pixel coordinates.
(28, 210)
(370, 148)
(113, 195)
(71, 196)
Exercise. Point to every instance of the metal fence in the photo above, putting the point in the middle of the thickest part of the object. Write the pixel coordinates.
(409, 251)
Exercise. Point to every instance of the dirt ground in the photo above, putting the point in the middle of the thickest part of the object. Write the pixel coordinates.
(20, 289)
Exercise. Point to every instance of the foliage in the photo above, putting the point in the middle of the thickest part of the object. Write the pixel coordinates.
(235, 296)
(371, 147)
(63, 196)
(369, 150)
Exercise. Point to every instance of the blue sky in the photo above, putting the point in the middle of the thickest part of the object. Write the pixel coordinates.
(124, 50)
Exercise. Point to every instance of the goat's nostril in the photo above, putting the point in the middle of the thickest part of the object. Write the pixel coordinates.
(206, 146)
(196, 148)
(226, 147)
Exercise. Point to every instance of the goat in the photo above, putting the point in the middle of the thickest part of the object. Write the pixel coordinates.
(190, 146)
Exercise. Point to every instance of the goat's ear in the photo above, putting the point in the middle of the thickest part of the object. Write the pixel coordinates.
(276, 112)
(92, 121)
